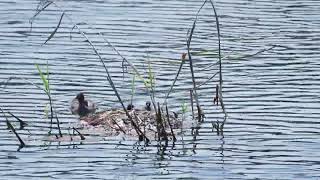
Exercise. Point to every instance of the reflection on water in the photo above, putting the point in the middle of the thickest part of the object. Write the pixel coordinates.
(272, 98)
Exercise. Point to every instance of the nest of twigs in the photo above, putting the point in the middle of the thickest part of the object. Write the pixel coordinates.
(116, 122)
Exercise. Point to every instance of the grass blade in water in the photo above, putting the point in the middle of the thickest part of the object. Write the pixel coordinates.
(55, 30)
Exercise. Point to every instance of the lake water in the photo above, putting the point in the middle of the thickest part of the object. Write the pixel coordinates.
(272, 99)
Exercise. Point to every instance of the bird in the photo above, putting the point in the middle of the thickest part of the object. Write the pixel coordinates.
(130, 107)
(82, 106)
(148, 106)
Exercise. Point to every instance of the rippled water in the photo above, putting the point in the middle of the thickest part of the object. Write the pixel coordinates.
(272, 99)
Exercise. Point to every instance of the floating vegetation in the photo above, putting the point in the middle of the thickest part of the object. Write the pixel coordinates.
(116, 122)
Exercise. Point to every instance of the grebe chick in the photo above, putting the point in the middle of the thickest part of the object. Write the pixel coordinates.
(148, 106)
(81, 106)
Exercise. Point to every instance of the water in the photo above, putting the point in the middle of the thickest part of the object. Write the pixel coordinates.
(272, 99)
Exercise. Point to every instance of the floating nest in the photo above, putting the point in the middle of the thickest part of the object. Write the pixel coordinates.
(116, 122)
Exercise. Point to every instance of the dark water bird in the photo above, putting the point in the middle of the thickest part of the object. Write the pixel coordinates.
(81, 106)
(130, 107)
(148, 106)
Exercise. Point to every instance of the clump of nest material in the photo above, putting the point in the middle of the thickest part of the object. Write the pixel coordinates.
(115, 122)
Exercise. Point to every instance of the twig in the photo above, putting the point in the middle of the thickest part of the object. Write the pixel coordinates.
(22, 144)
(208, 80)
(55, 30)
(219, 41)
(175, 79)
(168, 119)
(160, 127)
(81, 135)
(58, 124)
(22, 123)
(190, 62)
(222, 124)
(242, 57)
(38, 11)
(4, 114)
(119, 127)
(220, 62)
(191, 101)
(216, 98)
(258, 52)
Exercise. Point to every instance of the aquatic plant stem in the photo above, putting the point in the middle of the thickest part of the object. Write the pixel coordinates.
(21, 122)
(22, 144)
(174, 81)
(191, 63)
(169, 123)
(191, 102)
(220, 63)
(81, 135)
